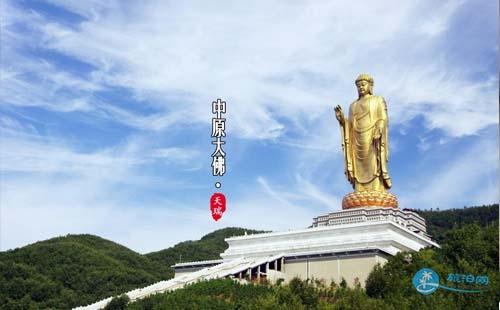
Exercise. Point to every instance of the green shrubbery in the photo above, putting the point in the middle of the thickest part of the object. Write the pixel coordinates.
(118, 303)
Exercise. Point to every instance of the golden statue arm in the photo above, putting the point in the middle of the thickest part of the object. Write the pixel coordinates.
(344, 133)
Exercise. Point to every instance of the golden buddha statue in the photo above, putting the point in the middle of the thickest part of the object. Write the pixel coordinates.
(365, 145)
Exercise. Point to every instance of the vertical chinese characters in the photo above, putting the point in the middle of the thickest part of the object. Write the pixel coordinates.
(218, 132)
(218, 200)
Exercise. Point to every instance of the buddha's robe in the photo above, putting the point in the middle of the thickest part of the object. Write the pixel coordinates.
(365, 156)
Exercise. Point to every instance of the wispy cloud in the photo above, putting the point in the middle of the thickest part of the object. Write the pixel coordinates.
(47, 208)
(90, 207)
(315, 193)
(32, 153)
(51, 188)
(25, 150)
(271, 71)
(466, 178)
(142, 76)
(176, 155)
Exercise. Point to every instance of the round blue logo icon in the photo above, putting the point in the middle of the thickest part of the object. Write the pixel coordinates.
(426, 281)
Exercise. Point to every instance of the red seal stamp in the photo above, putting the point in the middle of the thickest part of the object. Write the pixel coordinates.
(217, 205)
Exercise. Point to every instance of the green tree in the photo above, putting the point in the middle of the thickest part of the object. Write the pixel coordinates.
(118, 303)
(305, 291)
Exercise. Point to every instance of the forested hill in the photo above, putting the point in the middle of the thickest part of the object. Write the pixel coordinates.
(439, 222)
(209, 247)
(74, 270)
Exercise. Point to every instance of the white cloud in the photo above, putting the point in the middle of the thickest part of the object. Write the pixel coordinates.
(280, 66)
(49, 187)
(47, 208)
(315, 193)
(436, 23)
(446, 100)
(271, 207)
(467, 177)
(90, 9)
(91, 207)
(271, 67)
(46, 87)
(46, 156)
(23, 150)
(175, 154)
(154, 121)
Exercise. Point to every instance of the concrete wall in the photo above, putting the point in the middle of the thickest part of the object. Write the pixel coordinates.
(334, 268)
(181, 272)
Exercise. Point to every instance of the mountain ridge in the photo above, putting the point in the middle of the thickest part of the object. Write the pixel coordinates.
(71, 270)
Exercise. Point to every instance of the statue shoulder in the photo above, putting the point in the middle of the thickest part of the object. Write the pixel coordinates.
(380, 100)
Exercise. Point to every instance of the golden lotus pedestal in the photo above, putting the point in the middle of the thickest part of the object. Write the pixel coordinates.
(369, 199)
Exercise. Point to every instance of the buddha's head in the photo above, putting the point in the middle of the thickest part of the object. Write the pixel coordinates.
(364, 84)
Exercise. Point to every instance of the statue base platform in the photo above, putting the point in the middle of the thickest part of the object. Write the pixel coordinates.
(369, 199)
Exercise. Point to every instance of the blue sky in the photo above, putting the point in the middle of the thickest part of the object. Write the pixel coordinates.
(105, 111)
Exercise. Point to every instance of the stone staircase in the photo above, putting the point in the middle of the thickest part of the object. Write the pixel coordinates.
(232, 268)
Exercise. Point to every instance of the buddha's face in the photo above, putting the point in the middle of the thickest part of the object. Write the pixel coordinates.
(363, 88)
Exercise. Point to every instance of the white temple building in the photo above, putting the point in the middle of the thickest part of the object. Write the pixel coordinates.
(344, 244)
(340, 245)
